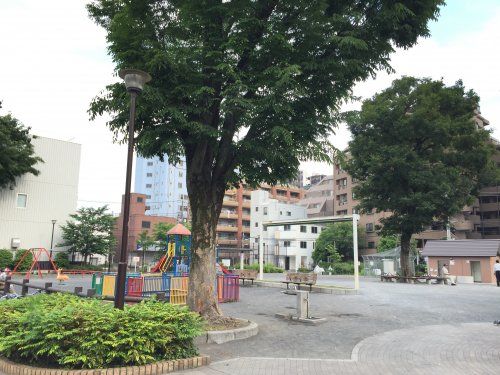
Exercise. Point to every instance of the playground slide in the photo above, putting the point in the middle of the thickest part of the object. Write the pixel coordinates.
(158, 265)
(224, 270)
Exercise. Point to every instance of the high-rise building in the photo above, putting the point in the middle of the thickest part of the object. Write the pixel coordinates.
(164, 185)
(318, 199)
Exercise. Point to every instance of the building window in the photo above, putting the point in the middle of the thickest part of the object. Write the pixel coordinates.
(287, 227)
(139, 200)
(148, 208)
(314, 229)
(288, 213)
(150, 163)
(256, 225)
(265, 210)
(148, 196)
(286, 243)
(369, 227)
(146, 224)
(149, 175)
(353, 195)
(22, 200)
(256, 209)
(303, 229)
(180, 174)
(179, 185)
(149, 186)
(303, 244)
(371, 245)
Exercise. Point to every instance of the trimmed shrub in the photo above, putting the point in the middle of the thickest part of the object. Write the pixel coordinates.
(5, 258)
(62, 330)
(26, 263)
(268, 268)
(62, 260)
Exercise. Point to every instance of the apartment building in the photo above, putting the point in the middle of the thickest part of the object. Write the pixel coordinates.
(164, 185)
(480, 220)
(289, 246)
(233, 228)
(139, 222)
(318, 199)
(28, 210)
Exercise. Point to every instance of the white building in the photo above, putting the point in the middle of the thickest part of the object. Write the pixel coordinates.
(27, 211)
(164, 185)
(289, 246)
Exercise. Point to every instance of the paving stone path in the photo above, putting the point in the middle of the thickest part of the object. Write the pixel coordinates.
(469, 348)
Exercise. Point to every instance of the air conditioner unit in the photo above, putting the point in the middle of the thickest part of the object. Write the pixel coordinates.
(15, 243)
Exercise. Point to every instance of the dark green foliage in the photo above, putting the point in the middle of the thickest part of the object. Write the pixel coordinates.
(417, 153)
(90, 232)
(62, 260)
(160, 234)
(341, 268)
(27, 261)
(17, 154)
(63, 330)
(340, 236)
(6, 257)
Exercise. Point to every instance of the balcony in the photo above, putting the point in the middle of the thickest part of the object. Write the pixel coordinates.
(489, 206)
(245, 204)
(226, 241)
(226, 228)
(245, 217)
(229, 203)
(228, 215)
(246, 229)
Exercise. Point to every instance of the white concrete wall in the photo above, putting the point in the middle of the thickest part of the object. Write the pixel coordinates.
(53, 194)
(274, 237)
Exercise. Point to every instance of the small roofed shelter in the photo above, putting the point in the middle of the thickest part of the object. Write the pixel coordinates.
(385, 263)
(469, 260)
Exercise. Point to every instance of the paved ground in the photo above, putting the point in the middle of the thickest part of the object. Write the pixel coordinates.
(388, 328)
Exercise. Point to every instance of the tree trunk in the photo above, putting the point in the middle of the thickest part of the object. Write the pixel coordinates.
(406, 269)
(206, 203)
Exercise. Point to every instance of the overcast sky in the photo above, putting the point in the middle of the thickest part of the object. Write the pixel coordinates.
(54, 61)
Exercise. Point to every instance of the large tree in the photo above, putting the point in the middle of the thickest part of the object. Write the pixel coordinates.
(417, 152)
(339, 235)
(245, 89)
(17, 154)
(89, 232)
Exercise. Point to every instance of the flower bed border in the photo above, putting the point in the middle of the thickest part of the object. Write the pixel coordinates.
(157, 368)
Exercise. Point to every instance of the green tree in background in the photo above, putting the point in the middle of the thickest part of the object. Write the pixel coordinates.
(25, 264)
(17, 154)
(337, 237)
(417, 153)
(387, 243)
(145, 241)
(62, 259)
(89, 232)
(245, 90)
(6, 257)
(160, 231)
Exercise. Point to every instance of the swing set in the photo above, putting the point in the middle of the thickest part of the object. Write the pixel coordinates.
(35, 264)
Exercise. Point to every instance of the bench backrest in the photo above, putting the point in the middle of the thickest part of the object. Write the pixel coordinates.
(247, 274)
(299, 277)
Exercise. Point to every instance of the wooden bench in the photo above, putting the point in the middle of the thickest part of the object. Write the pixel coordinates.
(412, 279)
(246, 275)
(299, 278)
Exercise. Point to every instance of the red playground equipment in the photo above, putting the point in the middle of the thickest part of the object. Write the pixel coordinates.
(36, 252)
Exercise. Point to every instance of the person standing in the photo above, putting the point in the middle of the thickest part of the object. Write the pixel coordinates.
(496, 270)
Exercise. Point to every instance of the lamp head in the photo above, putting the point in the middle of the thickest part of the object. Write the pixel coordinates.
(134, 79)
(54, 221)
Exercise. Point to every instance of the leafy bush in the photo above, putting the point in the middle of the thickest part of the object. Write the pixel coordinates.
(5, 258)
(63, 330)
(26, 263)
(268, 268)
(340, 268)
(62, 260)
(304, 270)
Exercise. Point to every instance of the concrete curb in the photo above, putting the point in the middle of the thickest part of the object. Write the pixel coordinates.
(156, 368)
(316, 289)
(220, 337)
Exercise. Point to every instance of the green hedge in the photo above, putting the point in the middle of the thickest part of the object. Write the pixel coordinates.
(27, 261)
(340, 268)
(268, 268)
(62, 330)
(62, 260)
(5, 258)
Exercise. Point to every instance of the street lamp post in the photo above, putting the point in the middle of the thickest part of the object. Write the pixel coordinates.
(134, 82)
(52, 237)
